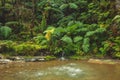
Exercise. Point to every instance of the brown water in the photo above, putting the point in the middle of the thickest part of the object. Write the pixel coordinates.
(59, 70)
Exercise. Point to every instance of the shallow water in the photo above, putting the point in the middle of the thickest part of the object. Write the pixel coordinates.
(60, 70)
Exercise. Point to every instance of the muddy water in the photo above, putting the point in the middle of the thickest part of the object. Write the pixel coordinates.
(59, 70)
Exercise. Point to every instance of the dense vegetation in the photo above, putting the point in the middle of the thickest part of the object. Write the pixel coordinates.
(52, 27)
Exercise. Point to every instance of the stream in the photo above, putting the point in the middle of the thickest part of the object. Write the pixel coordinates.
(59, 70)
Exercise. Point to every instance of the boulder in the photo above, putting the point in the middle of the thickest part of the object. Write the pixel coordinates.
(4, 61)
(16, 58)
(1, 56)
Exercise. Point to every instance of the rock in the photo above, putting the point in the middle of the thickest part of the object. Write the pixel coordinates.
(1, 56)
(4, 61)
(98, 61)
(16, 58)
(35, 59)
(30, 60)
(40, 59)
(95, 61)
(62, 59)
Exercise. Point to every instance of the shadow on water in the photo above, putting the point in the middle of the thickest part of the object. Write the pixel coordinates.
(62, 70)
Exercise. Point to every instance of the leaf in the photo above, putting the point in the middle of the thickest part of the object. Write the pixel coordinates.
(86, 44)
(90, 33)
(59, 31)
(70, 23)
(72, 28)
(73, 5)
(82, 30)
(63, 6)
(66, 39)
(78, 38)
(100, 30)
(49, 32)
(116, 18)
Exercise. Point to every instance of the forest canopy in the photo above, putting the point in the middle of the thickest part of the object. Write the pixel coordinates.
(75, 27)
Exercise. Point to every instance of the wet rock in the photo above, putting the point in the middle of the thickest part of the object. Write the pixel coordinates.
(98, 61)
(62, 59)
(16, 58)
(35, 59)
(40, 59)
(4, 61)
(95, 61)
(1, 56)
(30, 60)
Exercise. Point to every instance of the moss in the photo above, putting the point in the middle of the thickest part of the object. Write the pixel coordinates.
(76, 57)
(50, 57)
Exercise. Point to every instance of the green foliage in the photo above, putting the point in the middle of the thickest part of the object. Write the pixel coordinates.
(43, 23)
(20, 48)
(66, 39)
(111, 47)
(77, 39)
(80, 26)
(117, 54)
(6, 46)
(86, 44)
(116, 47)
(105, 48)
(73, 5)
(40, 39)
(63, 6)
(116, 18)
(75, 57)
(27, 49)
(50, 58)
(5, 32)
(89, 33)
(78, 57)
(15, 26)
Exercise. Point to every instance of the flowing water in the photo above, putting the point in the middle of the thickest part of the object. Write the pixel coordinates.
(59, 70)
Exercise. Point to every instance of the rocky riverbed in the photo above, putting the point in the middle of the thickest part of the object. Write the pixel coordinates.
(18, 59)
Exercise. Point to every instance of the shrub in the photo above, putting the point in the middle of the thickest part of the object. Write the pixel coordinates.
(27, 49)
(5, 32)
(6, 46)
